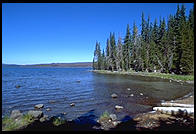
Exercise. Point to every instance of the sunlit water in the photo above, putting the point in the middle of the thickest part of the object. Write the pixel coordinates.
(93, 92)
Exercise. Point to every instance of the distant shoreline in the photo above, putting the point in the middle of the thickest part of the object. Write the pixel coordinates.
(76, 64)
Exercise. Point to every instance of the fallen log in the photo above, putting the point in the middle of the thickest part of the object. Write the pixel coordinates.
(176, 105)
(175, 110)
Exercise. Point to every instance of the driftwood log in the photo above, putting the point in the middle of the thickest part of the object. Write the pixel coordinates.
(175, 108)
(177, 105)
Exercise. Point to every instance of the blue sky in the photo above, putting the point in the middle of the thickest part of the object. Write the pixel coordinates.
(34, 33)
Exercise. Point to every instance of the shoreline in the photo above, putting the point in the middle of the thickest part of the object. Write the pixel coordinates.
(173, 77)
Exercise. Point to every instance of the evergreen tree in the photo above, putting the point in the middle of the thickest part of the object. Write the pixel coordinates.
(119, 55)
(127, 49)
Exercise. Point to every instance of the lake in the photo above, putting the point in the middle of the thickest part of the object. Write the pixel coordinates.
(56, 88)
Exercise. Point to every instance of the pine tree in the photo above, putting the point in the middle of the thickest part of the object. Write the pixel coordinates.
(127, 49)
(119, 55)
(113, 51)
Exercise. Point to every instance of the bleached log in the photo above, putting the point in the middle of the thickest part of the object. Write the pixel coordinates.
(175, 110)
(176, 105)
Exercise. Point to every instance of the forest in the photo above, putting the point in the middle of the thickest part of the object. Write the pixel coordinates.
(161, 47)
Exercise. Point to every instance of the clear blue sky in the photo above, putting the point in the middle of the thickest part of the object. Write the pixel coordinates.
(61, 33)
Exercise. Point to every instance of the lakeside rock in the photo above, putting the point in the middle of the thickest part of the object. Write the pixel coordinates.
(36, 114)
(114, 95)
(39, 106)
(16, 114)
(113, 117)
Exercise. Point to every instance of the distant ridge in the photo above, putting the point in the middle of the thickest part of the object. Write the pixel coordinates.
(75, 64)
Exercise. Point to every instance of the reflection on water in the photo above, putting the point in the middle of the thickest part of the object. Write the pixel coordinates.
(61, 87)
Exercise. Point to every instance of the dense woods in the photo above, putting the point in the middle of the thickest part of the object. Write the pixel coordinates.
(161, 47)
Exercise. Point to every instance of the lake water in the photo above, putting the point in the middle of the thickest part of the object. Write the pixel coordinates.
(92, 93)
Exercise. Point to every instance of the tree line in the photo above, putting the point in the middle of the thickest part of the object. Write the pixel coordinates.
(167, 48)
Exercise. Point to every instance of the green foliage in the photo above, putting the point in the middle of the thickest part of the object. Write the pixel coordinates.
(105, 116)
(58, 121)
(167, 47)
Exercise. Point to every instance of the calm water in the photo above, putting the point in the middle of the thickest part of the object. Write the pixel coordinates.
(93, 92)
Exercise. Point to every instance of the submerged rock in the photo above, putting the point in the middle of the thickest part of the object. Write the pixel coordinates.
(114, 95)
(51, 101)
(36, 114)
(17, 86)
(38, 106)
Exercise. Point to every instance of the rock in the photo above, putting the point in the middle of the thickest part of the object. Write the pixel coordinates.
(72, 104)
(113, 117)
(78, 81)
(114, 95)
(131, 95)
(115, 123)
(17, 86)
(128, 89)
(51, 101)
(44, 118)
(118, 107)
(64, 113)
(170, 80)
(16, 114)
(36, 114)
(48, 109)
(141, 93)
(38, 106)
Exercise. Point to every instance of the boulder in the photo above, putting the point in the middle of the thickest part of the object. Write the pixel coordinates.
(113, 117)
(38, 106)
(16, 114)
(118, 107)
(36, 114)
(114, 95)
